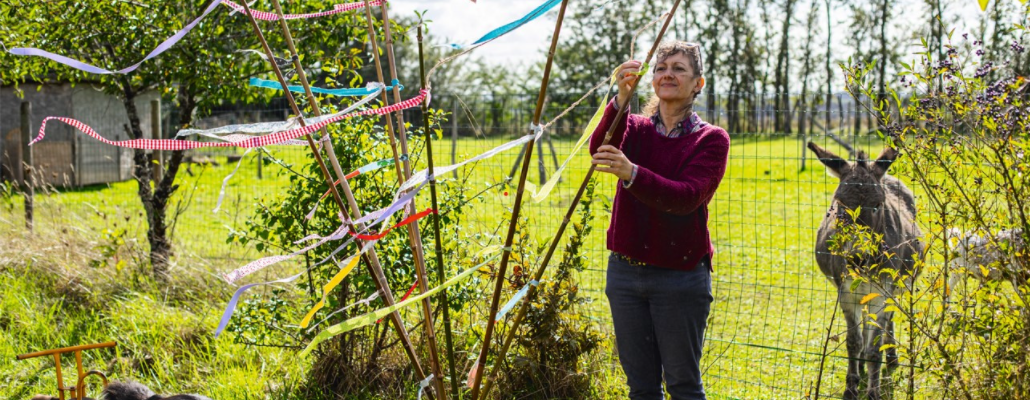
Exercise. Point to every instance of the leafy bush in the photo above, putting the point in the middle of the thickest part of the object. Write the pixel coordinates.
(549, 352)
(367, 359)
(963, 123)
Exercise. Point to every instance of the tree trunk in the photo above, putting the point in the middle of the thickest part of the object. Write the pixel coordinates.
(829, 72)
(781, 123)
(155, 197)
(882, 64)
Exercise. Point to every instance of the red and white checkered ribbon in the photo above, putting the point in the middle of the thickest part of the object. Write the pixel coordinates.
(259, 141)
(269, 16)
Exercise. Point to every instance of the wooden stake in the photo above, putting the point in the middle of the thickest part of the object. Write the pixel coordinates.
(506, 254)
(373, 265)
(28, 180)
(539, 273)
(403, 167)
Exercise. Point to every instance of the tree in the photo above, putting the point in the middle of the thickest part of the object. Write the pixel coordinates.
(201, 71)
(807, 63)
(712, 37)
(593, 42)
(859, 27)
(782, 85)
(887, 53)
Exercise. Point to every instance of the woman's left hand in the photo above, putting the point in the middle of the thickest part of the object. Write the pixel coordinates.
(611, 160)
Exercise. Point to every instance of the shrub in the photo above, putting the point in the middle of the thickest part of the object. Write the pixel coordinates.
(963, 123)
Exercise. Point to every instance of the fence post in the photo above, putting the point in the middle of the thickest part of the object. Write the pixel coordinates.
(454, 134)
(155, 133)
(26, 158)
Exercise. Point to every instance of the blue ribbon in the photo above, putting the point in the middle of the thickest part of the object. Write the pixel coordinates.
(503, 30)
(333, 92)
(514, 300)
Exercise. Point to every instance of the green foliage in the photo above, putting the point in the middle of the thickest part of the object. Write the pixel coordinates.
(551, 352)
(7, 196)
(966, 137)
(279, 222)
(203, 70)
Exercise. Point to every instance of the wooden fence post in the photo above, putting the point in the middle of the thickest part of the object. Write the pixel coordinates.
(155, 133)
(454, 134)
(26, 158)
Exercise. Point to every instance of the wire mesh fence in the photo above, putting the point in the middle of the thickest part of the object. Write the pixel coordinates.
(772, 309)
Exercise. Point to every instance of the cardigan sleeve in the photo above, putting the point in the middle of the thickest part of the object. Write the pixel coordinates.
(695, 184)
(597, 138)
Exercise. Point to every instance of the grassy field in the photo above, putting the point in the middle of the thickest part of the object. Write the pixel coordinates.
(765, 334)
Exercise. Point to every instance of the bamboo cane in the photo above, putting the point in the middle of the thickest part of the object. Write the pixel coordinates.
(440, 269)
(403, 167)
(375, 269)
(499, 285)
(539, 273)
(448, 337)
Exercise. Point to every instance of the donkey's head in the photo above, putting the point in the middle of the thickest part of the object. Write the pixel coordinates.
(860, 181)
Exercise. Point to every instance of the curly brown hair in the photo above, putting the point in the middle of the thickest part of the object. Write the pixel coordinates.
(669, 49)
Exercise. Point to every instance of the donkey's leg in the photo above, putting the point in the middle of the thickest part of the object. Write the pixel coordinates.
(875, 336)
(889, 338)
(849, 304)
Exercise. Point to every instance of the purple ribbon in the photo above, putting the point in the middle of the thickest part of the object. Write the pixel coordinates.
(231, 307)
(386, 213)
(79, 65)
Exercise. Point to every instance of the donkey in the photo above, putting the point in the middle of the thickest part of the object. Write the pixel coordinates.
(887, 208)
(986, 258)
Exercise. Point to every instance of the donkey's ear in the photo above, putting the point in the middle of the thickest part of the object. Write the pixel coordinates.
(835, 165)
(881, 164)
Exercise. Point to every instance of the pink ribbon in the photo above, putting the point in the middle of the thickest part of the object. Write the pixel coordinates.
(258, 141)
(268, 16)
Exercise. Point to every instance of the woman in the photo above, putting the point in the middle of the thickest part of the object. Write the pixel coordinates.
(669, 163)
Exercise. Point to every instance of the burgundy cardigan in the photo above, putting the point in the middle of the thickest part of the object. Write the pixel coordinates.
(662, 218)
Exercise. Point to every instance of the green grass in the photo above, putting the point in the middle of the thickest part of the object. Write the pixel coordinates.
(765, 334)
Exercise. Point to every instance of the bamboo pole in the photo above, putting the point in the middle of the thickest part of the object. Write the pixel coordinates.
(403, 167)
(440, 268)
(373, 262)
(441, 271)
(506, 254)
(539, 273)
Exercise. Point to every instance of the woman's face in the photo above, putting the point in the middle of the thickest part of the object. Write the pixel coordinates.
(674, 79)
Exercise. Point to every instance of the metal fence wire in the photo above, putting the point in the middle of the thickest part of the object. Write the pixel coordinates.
(772, 305)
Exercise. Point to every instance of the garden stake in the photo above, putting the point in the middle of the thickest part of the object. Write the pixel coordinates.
(403, 173)
(539, 273)
(375, 269)
(506, 254)
(440, 269)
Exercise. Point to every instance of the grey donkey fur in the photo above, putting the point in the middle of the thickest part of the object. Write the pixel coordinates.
(888, 208)
(136, 391)
(130, 391)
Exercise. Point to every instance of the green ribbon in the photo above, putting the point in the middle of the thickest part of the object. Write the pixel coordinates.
(370, 318)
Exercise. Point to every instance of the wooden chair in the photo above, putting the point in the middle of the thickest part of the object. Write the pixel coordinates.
(78, 391)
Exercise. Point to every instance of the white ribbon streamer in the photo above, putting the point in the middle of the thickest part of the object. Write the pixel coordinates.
(424, 384)
(423, 176)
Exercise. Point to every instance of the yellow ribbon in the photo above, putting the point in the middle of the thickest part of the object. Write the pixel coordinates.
(548, 186)
(369, 318)
(332, 284)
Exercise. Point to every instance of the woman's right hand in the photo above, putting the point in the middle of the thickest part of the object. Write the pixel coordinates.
(625, 77)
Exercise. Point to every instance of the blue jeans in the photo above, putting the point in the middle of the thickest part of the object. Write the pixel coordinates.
(660, 316)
